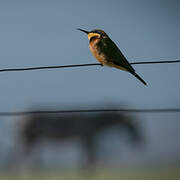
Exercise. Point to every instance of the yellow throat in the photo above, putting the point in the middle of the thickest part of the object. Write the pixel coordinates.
(91, 34)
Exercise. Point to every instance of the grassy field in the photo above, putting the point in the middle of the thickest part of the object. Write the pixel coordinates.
(156, 174)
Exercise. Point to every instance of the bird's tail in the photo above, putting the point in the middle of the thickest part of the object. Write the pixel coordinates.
(138, 77)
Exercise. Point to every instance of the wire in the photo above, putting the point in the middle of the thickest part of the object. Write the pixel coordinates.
(166, 110)
(156, 62)
(48, 67)
(79, 65)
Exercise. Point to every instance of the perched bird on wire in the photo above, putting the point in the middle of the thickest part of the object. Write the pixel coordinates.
(107, 53)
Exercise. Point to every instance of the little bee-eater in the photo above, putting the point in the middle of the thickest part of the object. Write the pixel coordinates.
(107, 53)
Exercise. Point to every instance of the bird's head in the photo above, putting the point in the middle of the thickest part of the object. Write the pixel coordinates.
(96, 33)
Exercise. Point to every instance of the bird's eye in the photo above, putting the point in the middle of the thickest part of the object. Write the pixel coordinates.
(99, 32)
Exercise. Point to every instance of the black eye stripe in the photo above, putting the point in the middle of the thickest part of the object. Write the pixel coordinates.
(98, 32)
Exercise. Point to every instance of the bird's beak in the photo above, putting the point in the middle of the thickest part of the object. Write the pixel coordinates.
(82, 30)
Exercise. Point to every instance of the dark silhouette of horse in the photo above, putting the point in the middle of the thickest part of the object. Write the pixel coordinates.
(84, 126)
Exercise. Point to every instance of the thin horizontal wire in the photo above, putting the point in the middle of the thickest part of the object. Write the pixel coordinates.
(79, 65)
(156, 62)
(166, 110)
(48, 67)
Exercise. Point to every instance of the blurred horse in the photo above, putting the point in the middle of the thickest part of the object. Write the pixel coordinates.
(85, 126)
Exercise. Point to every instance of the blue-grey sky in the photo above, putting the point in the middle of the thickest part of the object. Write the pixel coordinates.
(37, 33)
(40, 33)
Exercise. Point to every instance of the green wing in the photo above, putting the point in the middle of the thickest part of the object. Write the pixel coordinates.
(113, 53)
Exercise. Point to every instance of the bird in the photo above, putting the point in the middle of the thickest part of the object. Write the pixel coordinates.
(107, 52)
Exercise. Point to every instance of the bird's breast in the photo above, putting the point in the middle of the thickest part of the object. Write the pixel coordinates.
(94, 48)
